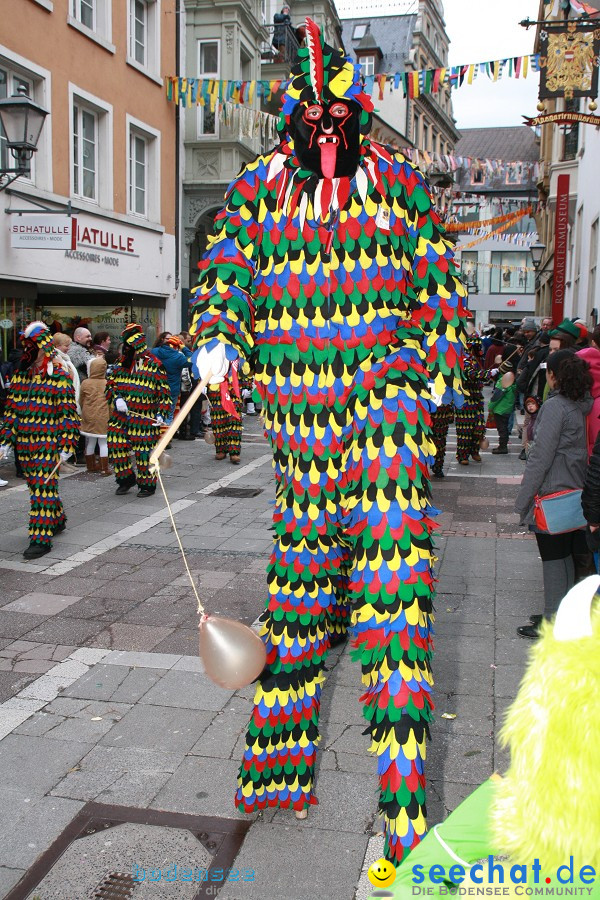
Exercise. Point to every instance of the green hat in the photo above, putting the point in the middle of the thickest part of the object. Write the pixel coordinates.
(567, 326)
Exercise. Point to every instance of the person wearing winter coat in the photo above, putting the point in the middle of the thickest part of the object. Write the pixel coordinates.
(591, 355)
(174, 360)
(557, 462)
(94, 416)
(62, 342)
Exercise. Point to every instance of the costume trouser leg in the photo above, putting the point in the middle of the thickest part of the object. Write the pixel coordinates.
(143, 439)
(440, 422)
(352, 492)
(46, 511)
(227, 430)
(470, 428)
(119, 449)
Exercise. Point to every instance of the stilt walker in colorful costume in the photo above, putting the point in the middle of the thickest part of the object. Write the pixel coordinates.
(546, 807)
(138, 391)
(470, 421)
(329, 272)
(41, 423)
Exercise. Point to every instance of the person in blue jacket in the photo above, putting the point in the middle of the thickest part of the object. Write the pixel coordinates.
(173, 357)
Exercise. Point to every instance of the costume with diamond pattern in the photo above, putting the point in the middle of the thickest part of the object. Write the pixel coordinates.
(343, 295)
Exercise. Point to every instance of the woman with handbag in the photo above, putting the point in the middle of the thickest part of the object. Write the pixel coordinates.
(557, 463)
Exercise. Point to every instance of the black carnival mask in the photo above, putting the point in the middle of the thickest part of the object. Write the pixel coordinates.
(327, 137)
(30, 352)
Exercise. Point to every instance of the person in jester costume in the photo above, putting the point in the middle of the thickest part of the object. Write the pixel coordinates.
(329, 273)
(138, 392)
(470, 423)
(41, 424)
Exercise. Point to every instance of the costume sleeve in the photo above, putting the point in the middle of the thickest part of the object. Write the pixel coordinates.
(69, 419)
(9, 420)
(438, 295)
(224, 307)
(163, 393)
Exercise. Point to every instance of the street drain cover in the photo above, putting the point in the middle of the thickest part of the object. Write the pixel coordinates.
(124, 853)
(237, 492)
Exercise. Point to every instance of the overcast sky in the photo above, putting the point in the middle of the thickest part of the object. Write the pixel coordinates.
(478, 36)
(479, 30)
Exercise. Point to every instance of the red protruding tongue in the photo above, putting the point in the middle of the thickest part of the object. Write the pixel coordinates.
(328, 158)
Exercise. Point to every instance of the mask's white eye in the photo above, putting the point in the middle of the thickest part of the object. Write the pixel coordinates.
(339, 110)
(313, 113)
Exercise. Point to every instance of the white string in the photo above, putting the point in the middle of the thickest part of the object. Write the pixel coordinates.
(187, 568)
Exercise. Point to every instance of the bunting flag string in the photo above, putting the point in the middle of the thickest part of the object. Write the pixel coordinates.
(473, 265)
(191, 91)
(475, 226)
(526, 238)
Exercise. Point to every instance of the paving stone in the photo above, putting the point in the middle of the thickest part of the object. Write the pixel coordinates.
(334, 863)
(187, 690)
(138, 773)
(357, 763)
(35, 764)
(34, 832)
(75, 584)
(220, 738)
(100, 683)
(42, 604)
(120, 636)
(115, 589)
(202, 786)
(60, 630)
(346, 803)
(102, 609)
(183, 641)
(352, 740)
(142, 660)
(13, 682)
(159, 728)
(8, 878)
(507, 680)
(169, 611)
(341, 705)
(15, 624)
(460, 758)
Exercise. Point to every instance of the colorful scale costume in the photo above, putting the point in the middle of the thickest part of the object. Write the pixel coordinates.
(227, 429)
(41, 421)
(342, 293)
(440, 423)
(141, 382)
(470, 421)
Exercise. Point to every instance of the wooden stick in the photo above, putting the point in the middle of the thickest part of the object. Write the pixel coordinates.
(53, 472)
(178, 420)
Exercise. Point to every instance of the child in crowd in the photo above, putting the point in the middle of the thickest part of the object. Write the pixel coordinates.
(532, 406)
(94, 416)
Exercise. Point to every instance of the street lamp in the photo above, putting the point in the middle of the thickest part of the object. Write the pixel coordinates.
(537, 251)
(21, 120)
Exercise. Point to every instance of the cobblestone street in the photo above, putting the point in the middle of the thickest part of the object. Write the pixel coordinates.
(103, 698)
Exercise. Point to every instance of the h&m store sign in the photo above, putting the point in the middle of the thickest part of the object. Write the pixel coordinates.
(80, 241)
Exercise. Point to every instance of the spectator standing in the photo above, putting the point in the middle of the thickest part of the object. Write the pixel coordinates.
(495, 349)
(62, 342)
(101, 343)
(547, 324)
(591, 355)
(41, 423)
(283, 29)
(80, 351)
(94, 417)
(173, 361)
(532, 335)
(557, 461)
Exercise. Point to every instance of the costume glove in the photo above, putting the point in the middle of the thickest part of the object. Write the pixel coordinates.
(121, 406)
(215, 360)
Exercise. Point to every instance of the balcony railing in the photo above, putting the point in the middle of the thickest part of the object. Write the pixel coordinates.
(283, 47)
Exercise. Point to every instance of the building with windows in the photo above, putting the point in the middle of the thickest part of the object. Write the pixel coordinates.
(501, 180)
(234, 42)
(571, 151)
(399, 43)
(106, 157)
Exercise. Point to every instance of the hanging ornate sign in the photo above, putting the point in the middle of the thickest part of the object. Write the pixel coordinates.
(568, 60)
(563, 118)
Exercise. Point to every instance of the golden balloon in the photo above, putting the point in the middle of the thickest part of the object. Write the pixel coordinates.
(507, 379)
(232, 653)
(484, 445)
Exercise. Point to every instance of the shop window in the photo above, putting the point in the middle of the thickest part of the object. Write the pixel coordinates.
(91, 148)
(10, 83)
(143, 170)
(143, 36)
(208, 67)
(511, 273)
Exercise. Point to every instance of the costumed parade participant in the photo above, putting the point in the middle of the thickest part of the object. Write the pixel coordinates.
(545, 809)
(138, 392)
(41, 424)
(226, 415)
(470, 421)
(441, 421)
(329, 273)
